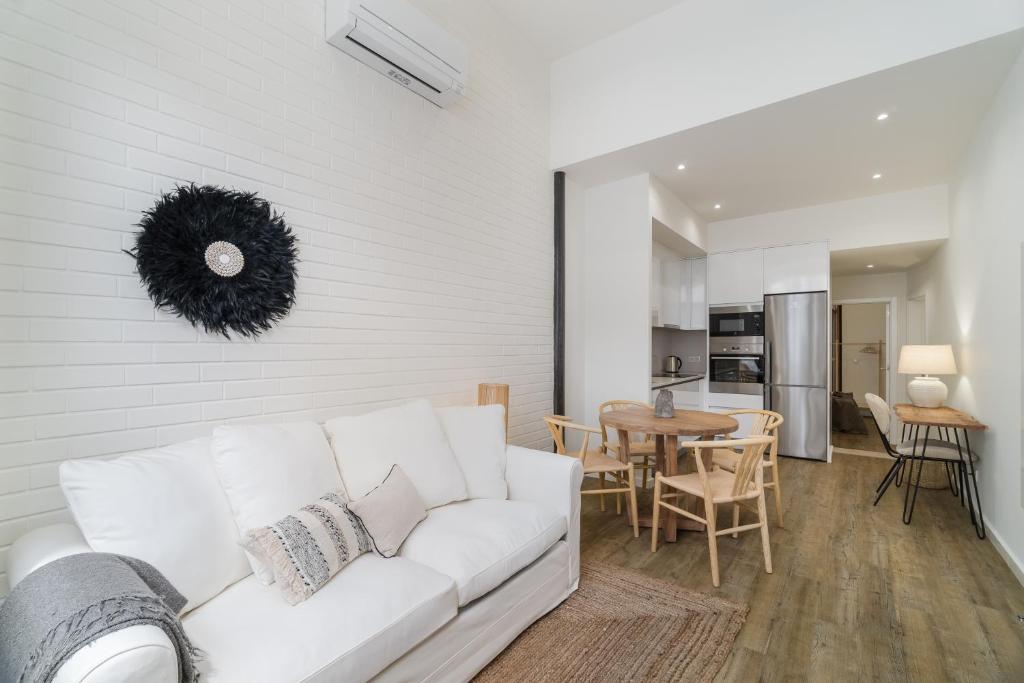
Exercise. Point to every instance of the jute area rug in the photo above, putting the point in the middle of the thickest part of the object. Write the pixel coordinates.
(623, 626)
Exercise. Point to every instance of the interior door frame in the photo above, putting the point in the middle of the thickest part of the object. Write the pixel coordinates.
(892, 342)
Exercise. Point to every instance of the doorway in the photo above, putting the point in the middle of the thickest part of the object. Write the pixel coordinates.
(861, 362)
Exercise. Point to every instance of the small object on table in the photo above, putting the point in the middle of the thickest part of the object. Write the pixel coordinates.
(666, 432)
(942, 418)
(663, 406)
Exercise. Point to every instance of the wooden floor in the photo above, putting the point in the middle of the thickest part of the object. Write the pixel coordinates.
(869, 441)
(856, 595)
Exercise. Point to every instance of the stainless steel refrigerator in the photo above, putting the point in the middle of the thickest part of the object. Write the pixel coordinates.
(796, 371)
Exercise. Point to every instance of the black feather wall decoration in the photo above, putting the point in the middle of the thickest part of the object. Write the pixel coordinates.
(221, 259)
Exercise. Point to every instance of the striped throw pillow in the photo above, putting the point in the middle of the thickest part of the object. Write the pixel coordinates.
(306, 548)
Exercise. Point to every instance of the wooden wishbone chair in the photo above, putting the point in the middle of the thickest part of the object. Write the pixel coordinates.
(641, 446)
(744, 486)
(596, 462)
(727, 459)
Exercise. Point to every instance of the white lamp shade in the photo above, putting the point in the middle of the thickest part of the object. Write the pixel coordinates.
(929, 359)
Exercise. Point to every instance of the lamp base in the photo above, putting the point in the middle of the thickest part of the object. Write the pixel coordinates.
(927, 392)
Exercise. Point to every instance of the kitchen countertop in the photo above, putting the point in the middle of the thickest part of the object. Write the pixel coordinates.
(663, 381)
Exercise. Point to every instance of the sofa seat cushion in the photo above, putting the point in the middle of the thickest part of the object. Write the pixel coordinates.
(481, 543)
(351, 629)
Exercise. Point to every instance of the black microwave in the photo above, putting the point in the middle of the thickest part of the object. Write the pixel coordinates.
(736, 321)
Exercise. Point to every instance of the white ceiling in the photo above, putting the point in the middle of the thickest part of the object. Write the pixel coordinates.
(824, 146)
(559, 27)
(891, 258)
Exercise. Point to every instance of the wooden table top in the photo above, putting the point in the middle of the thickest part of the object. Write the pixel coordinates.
(685, 422)
(943, 416)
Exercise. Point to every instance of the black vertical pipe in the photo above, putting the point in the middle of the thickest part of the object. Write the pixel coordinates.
(558, 400)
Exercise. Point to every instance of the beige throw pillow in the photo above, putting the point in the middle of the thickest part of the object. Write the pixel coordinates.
(306, 548)
(390, 511)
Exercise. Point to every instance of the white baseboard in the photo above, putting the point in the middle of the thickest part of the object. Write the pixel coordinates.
(1012, 561)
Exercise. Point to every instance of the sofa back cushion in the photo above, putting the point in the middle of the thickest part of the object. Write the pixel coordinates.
(477, 437)
(410, 436)
(269, 471)
(163, 506)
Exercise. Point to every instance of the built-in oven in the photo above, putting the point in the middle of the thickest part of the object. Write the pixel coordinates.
(736, 321)
(736, 365)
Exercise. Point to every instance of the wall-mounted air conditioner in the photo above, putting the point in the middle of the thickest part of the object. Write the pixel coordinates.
(402, 43)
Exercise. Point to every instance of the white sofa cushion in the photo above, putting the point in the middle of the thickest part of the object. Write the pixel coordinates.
(163, 506)
(269, 471)
(477, 437)
(481, 543)
(355, 626)
(410, 436)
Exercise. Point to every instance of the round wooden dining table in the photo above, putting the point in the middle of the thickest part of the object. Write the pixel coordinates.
(666, 431)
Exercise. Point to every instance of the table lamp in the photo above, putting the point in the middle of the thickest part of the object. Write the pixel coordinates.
(923, 361)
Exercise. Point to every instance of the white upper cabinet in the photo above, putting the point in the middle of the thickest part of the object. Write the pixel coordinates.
(796, 268)
(670, 293)
(735, 277)
(698, 294)
(655, 291)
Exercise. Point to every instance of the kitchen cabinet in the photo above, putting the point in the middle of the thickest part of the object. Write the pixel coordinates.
(655, 291)
(796, 268)
(698, 294)
(678, 293)
(670, 293)
(689, 396)
(735, 277)
(720, 403)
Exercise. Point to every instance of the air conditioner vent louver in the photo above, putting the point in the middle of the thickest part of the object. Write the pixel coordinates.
(400, 42)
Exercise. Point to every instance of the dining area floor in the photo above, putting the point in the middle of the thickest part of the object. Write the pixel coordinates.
(855, 593)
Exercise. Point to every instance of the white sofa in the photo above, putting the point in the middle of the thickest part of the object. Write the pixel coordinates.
(471, 577)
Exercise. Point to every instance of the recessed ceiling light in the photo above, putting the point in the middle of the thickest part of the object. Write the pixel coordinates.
(882, 117)
(718, 206)
(876, 176)
(871, 265)
(681, 167)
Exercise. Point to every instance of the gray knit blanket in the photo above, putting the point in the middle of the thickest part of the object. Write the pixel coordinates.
(66, 604)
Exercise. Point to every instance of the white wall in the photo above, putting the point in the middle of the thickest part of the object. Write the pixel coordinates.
(575, 300)
(896, 218)
(703, 60)
(617, 343)
(672, 212)
(973, 290)
(882, 285)
(425, 233)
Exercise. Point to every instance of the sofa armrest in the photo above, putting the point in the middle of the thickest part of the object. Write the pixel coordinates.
(137, 653)
(42, 546)
(552, 480)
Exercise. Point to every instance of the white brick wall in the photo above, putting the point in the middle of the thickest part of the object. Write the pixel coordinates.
(425, 238)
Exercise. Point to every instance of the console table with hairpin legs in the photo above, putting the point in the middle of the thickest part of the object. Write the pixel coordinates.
(943, 420)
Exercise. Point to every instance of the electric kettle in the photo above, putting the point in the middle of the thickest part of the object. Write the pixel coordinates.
(673, 364)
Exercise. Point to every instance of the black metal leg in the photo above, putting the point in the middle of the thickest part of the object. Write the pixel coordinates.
(908, 513)
(949, 478)
(980, 526)
(892, 469)
(890, 475)
(965, 485)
